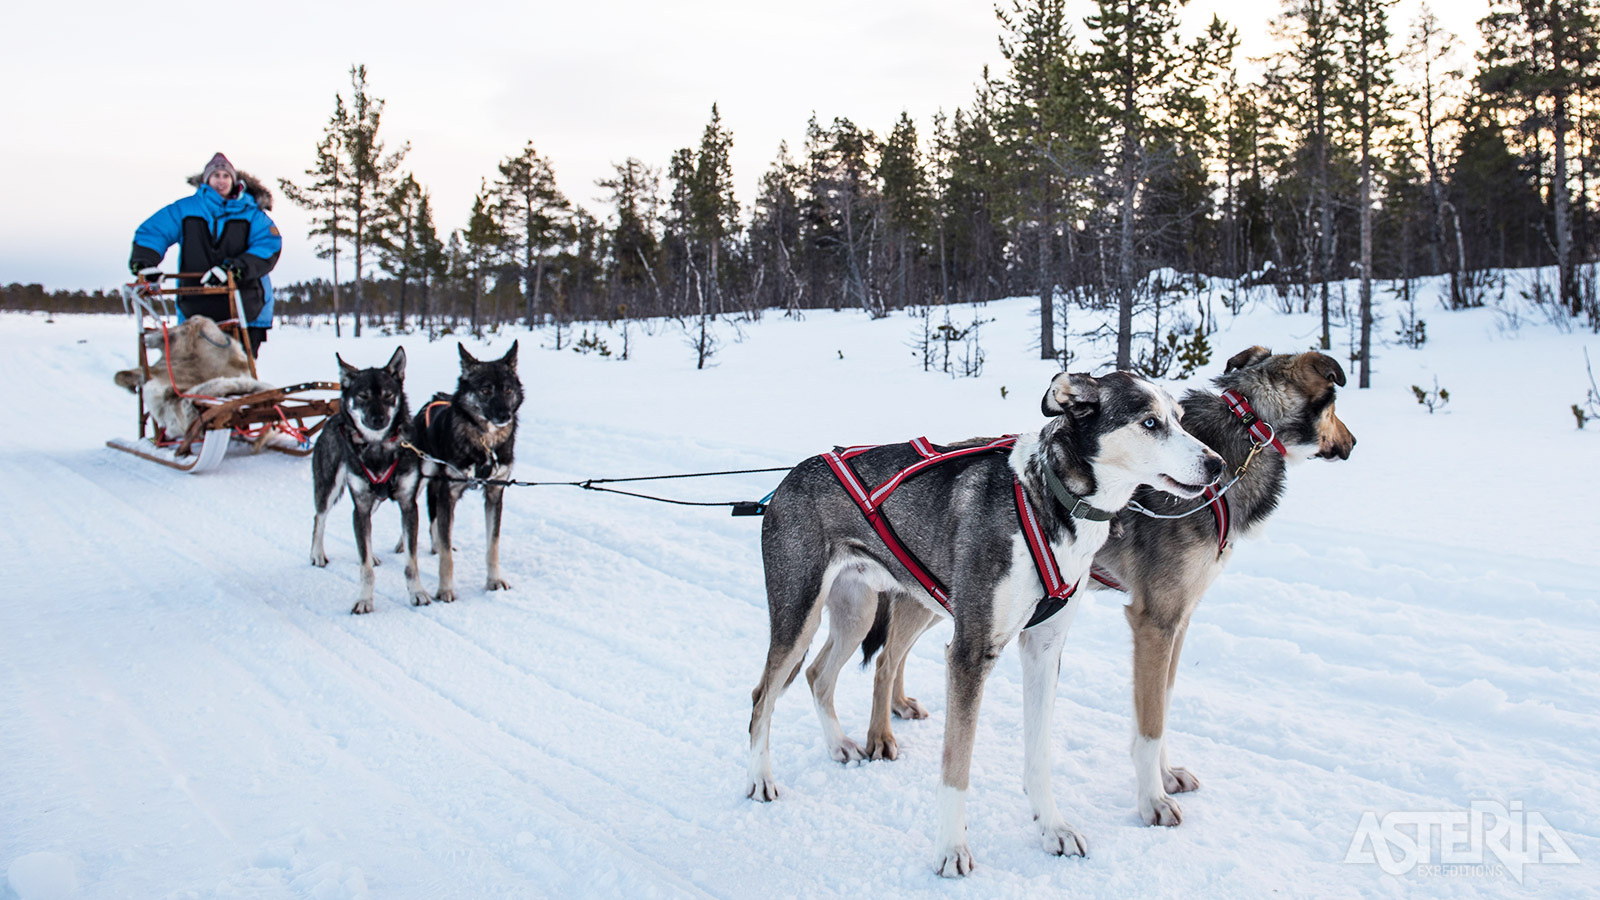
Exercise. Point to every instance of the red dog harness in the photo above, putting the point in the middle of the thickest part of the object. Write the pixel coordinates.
(870, 501)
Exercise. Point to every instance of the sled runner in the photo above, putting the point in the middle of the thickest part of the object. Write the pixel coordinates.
(282, 419)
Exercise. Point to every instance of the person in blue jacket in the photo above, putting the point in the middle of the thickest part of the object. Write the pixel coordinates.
(222, 225)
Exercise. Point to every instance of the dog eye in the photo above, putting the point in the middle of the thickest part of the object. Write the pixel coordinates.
(1150, 423)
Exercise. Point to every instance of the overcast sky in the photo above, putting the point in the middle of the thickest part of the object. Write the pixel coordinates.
(109, 106)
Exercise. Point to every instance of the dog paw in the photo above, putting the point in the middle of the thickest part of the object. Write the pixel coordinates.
(420, 598)
(846, 751)
(882, 746)
(954, 862)
(376, 561)
(762, 790)
(1160, 809)
(1179, 781)
(399, 546)
(1062, 839)
(445, 595)
(497, 584)
(361, 608)
(320, 560)
(908, 708)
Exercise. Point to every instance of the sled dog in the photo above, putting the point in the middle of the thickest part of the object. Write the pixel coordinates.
(1166, 565)
(964, 522)
(362, 448)
(472, 433)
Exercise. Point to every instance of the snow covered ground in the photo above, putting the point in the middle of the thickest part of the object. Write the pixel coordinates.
(187, 708)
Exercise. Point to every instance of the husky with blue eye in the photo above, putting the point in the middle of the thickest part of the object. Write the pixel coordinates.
(468, 435)
(362, 449)
(970, 528)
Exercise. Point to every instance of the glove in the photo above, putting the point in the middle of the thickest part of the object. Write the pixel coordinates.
(234, 265)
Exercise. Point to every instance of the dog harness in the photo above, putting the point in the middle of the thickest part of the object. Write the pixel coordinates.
(870, 501)
(389, 473)
(1264, 436)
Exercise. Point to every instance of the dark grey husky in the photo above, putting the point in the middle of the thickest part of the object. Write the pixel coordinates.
(472, 433)
(1166, 564)
(1106, 436)
(360, 448)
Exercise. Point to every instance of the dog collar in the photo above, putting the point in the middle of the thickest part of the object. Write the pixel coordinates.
(1262, 432)
(1077, 507)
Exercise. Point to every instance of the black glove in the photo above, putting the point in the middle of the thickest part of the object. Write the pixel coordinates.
(234, 265)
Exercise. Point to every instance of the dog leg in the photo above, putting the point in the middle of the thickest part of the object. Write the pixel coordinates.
(851, 605)
(493, 498)
(1152, 662)
(362, 520)
(902, 706)
(1041, 671)
(323, 497)
(1176, 780)
(968, 661)
(784, 656)
(408, 536)
(444, 515)
(909, 619)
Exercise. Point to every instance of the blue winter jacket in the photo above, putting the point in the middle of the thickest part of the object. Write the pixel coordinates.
(209, 230)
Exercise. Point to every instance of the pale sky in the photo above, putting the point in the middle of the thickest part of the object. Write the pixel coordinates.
(108, 107)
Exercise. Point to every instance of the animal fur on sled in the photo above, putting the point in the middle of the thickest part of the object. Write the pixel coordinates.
(200, 359)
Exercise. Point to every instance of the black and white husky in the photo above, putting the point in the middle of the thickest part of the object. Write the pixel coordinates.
(361, 448)
(1106, 436)
(472, 434)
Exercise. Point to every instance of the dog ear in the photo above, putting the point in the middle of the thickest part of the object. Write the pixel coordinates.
(1322, 365)
(346, 371)
(510, 359)
(1247, 358)
(1076, 394)
(467, 359)
(397, 363)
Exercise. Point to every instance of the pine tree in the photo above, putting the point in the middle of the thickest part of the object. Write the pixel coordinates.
(398, 255)
(1430, 53)
(634, 252)
(1540, 56)
(1306, 82)
(527, 191)
(775, 230)
(713, 211)
(324, 196)
(1152, 86)
(372, 176)
(1364, 39)
(905, 201)
(1049, 116)
(485, 241)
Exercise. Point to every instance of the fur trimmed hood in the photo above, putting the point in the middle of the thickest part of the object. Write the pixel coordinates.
(252, 185)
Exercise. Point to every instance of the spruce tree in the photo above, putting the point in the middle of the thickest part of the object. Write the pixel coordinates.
(905, 202)
(529, 196)
(1540, 56)
(484, 240)
(372, 176)
(1364, 39)
(323, 197)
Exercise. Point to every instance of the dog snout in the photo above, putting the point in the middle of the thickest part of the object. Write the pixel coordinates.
(1213, 466)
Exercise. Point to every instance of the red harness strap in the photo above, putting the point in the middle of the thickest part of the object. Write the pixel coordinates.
(386, 475)
(870, 502)
(1263, 434)
(427, 412)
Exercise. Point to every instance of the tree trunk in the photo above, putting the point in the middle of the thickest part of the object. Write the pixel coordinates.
(1566, 267)
(1047, 286)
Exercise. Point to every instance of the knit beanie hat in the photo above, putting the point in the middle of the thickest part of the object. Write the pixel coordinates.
(218, 163)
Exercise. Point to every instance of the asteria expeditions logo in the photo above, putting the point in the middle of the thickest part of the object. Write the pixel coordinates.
(1487, 839)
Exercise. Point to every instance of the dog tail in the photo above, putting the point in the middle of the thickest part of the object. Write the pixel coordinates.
(878, 634)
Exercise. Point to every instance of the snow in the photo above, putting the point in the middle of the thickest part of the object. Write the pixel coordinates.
(187, 708)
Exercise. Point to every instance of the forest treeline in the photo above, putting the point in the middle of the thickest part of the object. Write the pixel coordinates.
(1108, 148)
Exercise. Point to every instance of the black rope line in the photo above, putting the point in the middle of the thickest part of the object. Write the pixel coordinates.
(740, 507)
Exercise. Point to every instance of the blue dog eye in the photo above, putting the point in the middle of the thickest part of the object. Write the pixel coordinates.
(1150, 423)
